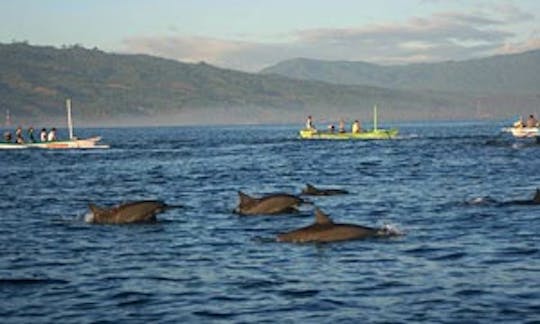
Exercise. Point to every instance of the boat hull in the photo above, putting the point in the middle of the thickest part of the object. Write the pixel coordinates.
(523, 132)
(87, 143)
(378, 134)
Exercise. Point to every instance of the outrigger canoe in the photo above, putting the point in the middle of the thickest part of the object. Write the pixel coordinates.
(87, 143)
(373, 134)
(72, 143)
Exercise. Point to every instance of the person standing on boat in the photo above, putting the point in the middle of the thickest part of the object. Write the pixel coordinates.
(356, 127)
(309, 123)
(52, 135)
(43, 135)
(31, 138)
(18, 136)
(531, 121)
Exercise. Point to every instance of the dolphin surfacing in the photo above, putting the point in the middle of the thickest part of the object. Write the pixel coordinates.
(324, 230)
(313, 191)
(279, 203)
(134, 212)
(534, 201)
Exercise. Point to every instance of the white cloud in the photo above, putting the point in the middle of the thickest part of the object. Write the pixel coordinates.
(441, 36)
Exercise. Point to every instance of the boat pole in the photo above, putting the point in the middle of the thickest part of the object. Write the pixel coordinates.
(69, 120)
(375, 117)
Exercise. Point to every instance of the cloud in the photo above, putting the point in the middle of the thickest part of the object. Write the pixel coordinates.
(441, 36)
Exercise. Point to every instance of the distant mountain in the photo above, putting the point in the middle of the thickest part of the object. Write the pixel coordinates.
(503, 74)
(113, 89)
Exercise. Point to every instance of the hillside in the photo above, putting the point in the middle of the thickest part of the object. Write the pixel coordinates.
(114, 89)
(505, 74)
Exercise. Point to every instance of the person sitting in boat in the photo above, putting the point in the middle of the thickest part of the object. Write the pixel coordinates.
(43, 135)
(356, 128)
(309, 123)
(531, 121)
(31, 138)
(341, 126)
(18, 136)
(52, 135)
(7, 137)
(331, 128)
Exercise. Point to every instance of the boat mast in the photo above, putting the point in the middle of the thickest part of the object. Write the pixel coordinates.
(375, 117)
(8, 118)
(69, 120)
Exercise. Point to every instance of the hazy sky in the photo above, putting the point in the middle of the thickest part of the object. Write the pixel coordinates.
(252, 34)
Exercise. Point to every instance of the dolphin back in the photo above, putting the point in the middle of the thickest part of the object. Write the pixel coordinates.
(271, 204)
(133, 212)
(313, 191)
(324, 230)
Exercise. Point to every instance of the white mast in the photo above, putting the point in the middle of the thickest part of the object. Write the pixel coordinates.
(375, 117)
(69, 120)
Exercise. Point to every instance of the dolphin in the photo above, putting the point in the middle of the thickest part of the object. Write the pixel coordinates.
(534, 201)
(278, 203)
(324, 230)
(133, 212)
(311, 190)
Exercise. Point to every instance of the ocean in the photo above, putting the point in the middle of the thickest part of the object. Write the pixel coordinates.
(464, 256)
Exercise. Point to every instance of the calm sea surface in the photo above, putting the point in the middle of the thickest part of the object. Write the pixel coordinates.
(463, 258)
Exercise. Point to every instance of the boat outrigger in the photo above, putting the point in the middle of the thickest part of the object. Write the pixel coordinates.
(72, 143)
(373, 134)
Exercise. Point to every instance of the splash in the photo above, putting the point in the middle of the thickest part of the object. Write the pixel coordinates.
(391, 230)
(481, 201)
(89, 217)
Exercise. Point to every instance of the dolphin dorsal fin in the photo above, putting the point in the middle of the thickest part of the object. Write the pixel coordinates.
(321, 218)
(245, 199)
(95, 209)
(536, 198)
(310, 187)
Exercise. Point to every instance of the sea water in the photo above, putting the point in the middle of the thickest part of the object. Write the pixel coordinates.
(459, 261)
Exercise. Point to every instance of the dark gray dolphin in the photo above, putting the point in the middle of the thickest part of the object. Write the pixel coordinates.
(133, 212)
(279, 203)
(534, 201)
(312, 191)
(324, 230)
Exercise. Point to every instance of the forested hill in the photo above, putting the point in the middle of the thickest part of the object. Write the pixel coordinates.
(112, 89)
(503, 74)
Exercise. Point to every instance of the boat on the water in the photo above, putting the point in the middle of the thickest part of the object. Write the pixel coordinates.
(71, 143)
(373, 134)
(87, 143)
(523, 132)
(521, 129)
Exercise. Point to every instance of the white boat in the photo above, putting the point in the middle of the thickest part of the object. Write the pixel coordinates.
(523, 132)
(72, 143)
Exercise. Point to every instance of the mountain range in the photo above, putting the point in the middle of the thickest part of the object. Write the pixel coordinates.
(503, 74)
(126, 89)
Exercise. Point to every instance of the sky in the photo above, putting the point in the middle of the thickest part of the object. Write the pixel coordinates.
(249, 35)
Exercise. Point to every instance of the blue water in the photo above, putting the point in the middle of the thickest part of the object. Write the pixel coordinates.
(461, 260)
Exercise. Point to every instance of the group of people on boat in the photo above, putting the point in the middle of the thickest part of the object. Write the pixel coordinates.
(355, 127)
(530, 123)
(44, 136)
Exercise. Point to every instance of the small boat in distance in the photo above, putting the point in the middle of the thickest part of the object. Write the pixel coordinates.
(72, 143)
(373, 134)
(524, 130)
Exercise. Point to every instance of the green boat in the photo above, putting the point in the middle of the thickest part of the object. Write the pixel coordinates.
(373, 134)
